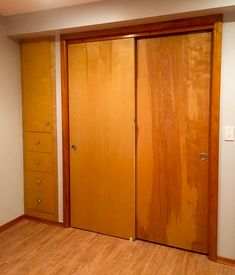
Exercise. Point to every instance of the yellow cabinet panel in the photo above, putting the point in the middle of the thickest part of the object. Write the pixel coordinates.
(39, 181)
(34, 161)
(39, 124)
(38, 142)
(36, 85)
(39, 201)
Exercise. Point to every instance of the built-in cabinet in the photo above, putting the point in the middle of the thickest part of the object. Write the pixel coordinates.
(39, 129)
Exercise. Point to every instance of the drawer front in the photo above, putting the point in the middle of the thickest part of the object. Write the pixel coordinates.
(39, 181)
(34, 161)
(39, 201)
(38, 142)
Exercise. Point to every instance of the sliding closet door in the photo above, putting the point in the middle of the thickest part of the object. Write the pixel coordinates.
(173, 97)
(102, 136)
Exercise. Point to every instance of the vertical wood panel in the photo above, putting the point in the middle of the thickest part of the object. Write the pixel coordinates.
(37, 86)
(101, 102)
(173, 129)
(65, 134)
(214, 140)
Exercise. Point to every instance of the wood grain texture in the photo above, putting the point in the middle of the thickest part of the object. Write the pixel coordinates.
(65, 133)
(39, 201)
(10, 223)
(36, 86)
(138, 29)
(173, 96)
(35, 161)
(38, 142)
(32, 248)
(227, 261)
(101, 104)
(39, 124)
(39, 181)
(214, 139)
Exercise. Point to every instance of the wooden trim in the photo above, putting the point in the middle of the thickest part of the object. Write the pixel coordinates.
(226, 261)
(37, 39)
(144, 34)
(181, 25)
(65, 134)
(11, 223)
(43, 220)
(210, 23)
(214, 140)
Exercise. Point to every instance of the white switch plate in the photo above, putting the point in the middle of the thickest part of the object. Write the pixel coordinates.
(229, 133)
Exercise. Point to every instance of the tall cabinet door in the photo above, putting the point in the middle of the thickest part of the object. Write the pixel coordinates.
(37, 86)
(173, 101)
(102, 136)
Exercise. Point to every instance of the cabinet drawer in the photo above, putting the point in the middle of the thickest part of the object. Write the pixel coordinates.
(38, 142)
(39, 201)
(34, 161)
(39, 181)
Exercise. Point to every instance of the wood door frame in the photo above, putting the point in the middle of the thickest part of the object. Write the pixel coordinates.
(211, 23)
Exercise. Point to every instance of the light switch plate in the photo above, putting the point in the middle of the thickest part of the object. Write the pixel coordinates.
(229, 133)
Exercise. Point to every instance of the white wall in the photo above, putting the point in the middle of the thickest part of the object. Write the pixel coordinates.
(59, 129)
(11, 164)
(226, 234)
(109, 11)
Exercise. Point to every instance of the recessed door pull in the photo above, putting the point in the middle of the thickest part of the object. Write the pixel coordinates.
(203, 156)
(74, 147)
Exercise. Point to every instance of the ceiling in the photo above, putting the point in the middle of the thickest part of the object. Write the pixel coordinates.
(11, 7)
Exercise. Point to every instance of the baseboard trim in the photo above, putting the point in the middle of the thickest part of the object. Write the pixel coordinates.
(43, 221)
(11, 223)
(226, 261)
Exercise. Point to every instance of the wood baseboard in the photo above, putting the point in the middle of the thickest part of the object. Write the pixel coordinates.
(11, 223)
(226, 261)
(43, 221)
(20, 218)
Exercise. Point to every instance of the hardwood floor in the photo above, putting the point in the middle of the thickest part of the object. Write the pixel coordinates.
(32, 247)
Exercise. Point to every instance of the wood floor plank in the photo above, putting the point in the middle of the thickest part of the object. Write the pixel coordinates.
(34, 248)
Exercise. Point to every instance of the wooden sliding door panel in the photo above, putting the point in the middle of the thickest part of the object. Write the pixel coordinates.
(101, 113)
(173, 94)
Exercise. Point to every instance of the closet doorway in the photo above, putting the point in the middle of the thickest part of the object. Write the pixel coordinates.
(141, 160)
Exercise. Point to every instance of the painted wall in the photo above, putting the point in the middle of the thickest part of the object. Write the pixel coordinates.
(109, 11)
(226, 236)
(59, 129)
(11, 164)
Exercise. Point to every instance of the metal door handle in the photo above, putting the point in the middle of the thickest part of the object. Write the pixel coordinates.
(74, 147)
(203, 156)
